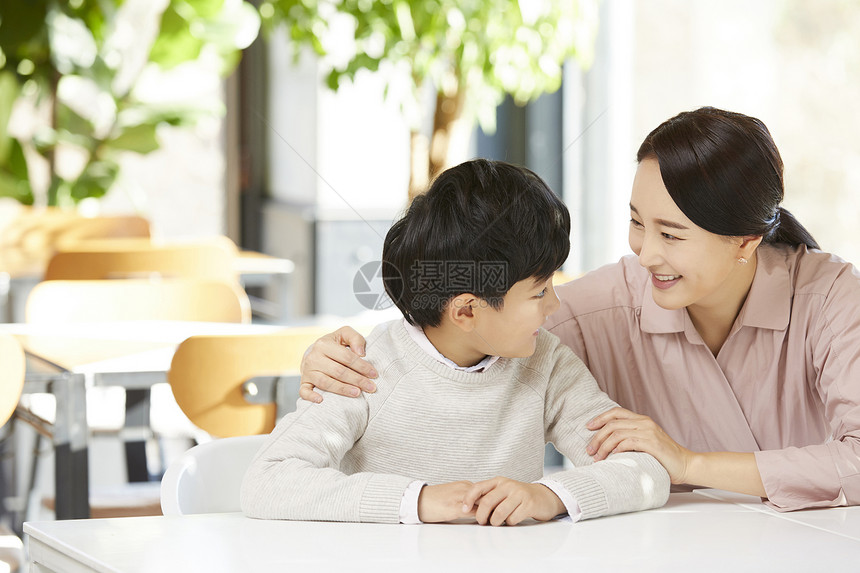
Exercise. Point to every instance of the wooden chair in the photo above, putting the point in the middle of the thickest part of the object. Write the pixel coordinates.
(208, 376)
(32, 235)
(211, 378)
(137, 299)
(61, 301)
(103, 227)
(130, 258)
(12, 367)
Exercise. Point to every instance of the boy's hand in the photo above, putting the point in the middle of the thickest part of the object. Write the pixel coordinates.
(501, 500)
(444, 502)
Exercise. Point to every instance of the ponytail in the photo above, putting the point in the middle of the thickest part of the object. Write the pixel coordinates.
(723, 171)
(788, 230)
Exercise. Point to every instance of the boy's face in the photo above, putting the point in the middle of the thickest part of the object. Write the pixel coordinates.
(512, 330)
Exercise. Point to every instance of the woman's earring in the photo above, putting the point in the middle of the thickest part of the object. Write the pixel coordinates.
(742, 261)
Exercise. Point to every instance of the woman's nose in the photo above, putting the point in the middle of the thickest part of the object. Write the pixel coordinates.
(649, 252)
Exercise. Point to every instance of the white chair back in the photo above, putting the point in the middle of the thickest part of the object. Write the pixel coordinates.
(207, 478)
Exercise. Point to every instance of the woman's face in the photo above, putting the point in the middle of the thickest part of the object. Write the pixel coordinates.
(689, 266)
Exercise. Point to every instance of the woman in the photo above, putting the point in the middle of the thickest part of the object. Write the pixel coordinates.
(734, 340)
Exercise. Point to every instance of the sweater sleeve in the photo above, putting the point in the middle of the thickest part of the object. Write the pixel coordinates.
(623, 482)
(295, 474)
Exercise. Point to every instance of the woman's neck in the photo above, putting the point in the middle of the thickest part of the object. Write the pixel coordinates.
(713, 319)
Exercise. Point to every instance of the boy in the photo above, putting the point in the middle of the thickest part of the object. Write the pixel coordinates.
(470, 387)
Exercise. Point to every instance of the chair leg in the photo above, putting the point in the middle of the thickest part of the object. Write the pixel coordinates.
(136, 416)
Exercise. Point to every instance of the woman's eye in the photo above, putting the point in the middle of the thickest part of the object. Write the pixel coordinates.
(635, 223)
(669, 237)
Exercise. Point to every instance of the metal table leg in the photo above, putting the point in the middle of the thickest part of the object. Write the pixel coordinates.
(70, 447)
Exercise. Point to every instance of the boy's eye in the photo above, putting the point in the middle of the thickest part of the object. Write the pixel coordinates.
(670, 237)
(541, 293)
(635, 223)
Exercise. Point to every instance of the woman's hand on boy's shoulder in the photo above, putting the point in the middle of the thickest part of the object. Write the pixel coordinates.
(333, 363)
(501, 500)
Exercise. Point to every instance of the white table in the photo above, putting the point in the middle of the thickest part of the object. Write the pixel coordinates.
(705, 530)
(63, 357)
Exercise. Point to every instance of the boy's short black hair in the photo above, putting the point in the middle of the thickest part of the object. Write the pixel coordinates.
(480, 228)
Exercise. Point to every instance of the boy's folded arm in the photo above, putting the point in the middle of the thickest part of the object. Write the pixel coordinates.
(294, 475)
(630, 481)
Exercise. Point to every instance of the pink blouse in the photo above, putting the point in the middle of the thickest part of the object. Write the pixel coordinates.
(785, 384)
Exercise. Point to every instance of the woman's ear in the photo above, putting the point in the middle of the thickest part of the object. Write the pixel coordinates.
(461, 311)
(748, 246)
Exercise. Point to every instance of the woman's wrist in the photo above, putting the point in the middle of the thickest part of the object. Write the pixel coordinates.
(732, 471)
(696, 469)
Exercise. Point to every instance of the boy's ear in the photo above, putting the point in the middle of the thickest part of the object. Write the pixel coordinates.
(461, 311)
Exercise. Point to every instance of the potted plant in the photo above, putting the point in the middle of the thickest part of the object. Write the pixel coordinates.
(79, 69)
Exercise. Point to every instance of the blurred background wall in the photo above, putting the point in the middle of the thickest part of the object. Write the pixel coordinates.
(297, 170)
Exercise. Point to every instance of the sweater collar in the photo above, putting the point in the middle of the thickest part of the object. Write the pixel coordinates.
(418, 335)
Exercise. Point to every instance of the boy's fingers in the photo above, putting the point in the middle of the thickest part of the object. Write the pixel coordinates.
(475, 493)
(503, 511)
(517, 516)
(472, 495)
(487, 505)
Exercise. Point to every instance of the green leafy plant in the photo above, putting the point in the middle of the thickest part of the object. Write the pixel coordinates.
(80, 67)
(472, 52)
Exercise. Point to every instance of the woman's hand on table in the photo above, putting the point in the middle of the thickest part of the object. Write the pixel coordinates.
(333, 363)
(620, 430)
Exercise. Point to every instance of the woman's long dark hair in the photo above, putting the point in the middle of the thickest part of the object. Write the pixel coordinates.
(723, 170)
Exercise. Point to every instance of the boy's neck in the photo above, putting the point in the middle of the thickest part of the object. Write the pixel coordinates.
(451, 342)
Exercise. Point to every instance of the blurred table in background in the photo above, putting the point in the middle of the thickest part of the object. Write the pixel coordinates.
(63, 359)
(258, 270)
(18, 277)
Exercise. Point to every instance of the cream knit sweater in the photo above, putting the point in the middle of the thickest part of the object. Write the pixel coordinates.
(351, 459)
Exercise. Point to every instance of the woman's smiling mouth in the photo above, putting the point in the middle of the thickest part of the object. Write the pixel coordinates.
(664, 281)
